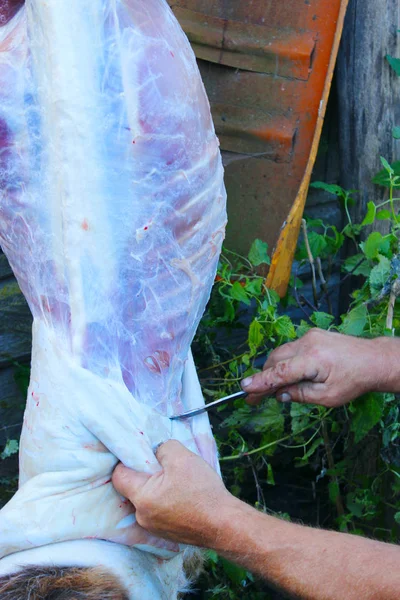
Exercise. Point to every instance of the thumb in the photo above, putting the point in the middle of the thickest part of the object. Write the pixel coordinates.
(284, 373)
(127, 482)
(172, 453)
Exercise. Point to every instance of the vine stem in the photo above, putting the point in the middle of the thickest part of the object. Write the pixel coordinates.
(334, 478)
(297, 298)
(310, 260)
(324, 284)
(270, 444)
(390, 312)
(391, 200)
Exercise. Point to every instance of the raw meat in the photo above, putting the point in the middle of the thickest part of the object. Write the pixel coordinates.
(112, 215)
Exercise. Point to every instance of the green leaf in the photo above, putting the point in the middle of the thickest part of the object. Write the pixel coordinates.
(382, 178)
(237, 292)
(302, 328)
(394, 63)
(246, 360)
(267, 420)
(379, 275)
(300, 415)
(233, 365)
(317, 244)
(285, 328)
(353, 505)
(235, 573)
(383, 214)
(397, 517)
(311, 449)
(254, 287)
(314, 222)
(367, 412)
(22, 376)
(370, 216)
(396, 133)
(270, 476)
(352, 230)
(334, 491)
(355, 321)
(256, 336)
(258, 254)
(322, 320)
(375, 244)
(212, 556)
(385, 163)
(335, 242)
(11, 448)
(350, 265)
(328, 187)
(272, 298)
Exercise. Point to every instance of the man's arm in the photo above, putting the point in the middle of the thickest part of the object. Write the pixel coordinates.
(328, 368)
(187, 502)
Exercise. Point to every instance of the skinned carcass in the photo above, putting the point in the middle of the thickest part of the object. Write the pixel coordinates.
(112, 215)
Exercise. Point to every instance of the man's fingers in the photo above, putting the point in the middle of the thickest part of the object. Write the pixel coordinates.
(128, 482)
(254, 399)
(284, 352)
(304, 393)
(285, 373)
(171, 452)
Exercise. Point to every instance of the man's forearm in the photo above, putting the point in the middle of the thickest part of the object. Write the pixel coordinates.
(386, 364)
(307, 563)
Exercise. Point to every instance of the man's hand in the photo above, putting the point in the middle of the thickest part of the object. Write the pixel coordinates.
(187, 502)
(325, 368)
(177, 502)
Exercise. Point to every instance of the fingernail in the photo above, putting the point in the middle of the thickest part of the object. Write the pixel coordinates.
(246, 382)
(285, 397)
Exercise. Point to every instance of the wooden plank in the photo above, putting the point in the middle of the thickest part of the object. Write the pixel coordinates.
(369, 92)
(5, 269)
(12, 405)
(15, 324)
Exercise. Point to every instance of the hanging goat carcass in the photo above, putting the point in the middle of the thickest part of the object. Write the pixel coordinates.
(112, 216)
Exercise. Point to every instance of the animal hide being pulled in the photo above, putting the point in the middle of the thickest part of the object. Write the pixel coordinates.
(112, 215)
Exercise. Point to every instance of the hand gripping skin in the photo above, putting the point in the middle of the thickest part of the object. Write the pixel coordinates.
(112, 215)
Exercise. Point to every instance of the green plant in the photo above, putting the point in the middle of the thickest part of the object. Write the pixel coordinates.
(354, 451)
(244, 321)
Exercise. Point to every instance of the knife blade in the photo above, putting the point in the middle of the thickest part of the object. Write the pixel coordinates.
(206, 407)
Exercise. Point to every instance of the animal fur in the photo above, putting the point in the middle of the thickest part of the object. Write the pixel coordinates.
(78, 583)
(59, 583)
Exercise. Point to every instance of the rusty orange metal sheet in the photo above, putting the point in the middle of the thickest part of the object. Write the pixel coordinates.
(254, 47)
(267, 67)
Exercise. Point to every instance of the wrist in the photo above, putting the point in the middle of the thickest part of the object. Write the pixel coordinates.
(383, 365)
(217, 530)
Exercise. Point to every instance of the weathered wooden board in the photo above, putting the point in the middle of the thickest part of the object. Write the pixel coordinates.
(369, 95)
(15, 323)
(5, 269)
(12, 405)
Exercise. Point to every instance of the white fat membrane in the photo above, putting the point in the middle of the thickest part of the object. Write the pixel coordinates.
(112, 215)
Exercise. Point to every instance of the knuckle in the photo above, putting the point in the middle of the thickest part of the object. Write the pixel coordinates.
(302, 395)
(165, 448)
(281, 371)
(145, 507)
(313, 334)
